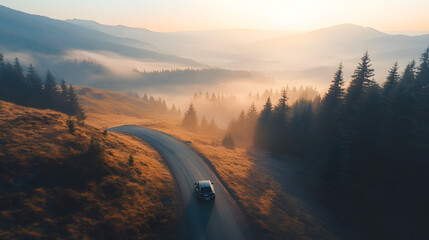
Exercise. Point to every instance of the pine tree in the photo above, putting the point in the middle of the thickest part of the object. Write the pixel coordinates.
(423, 97)
(35, 84)
(423, 69)
(65, 105)
(74, 105)
(263, 126)
(281, 108)
(190, 119)
(391, 81)
(335, 94)
(279, 124)
(408, 79)
(361, 80)
(331, 103)
(34, 80)
(64, 89)
(252, 113)
(19, 86)
(50, 91)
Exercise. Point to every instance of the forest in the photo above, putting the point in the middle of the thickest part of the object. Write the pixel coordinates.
(29, 89)
(373, 141)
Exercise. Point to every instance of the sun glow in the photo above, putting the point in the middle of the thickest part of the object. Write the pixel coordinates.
(297, 15)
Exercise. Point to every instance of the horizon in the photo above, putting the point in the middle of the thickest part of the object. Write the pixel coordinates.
(297, 17)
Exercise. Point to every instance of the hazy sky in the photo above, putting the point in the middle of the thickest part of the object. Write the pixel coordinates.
(296, 15)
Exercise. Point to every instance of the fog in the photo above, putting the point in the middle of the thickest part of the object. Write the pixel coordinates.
(228, 63)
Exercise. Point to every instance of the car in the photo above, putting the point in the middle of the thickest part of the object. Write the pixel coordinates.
(205, 190)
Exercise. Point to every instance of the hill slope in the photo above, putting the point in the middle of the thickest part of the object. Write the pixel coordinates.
(20, 31)
(57, 185)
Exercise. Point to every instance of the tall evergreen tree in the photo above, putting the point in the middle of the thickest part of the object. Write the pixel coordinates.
(335, 92)
(279, 123)
(263, 126)
(74, 105)
(252, 113)
(50, 91)
(408, 79)
(361, 80)
(190, 119)
(2, 77)
(391, 81)
(423, 69)
(423, 98)
(34, 80)
(19, 84)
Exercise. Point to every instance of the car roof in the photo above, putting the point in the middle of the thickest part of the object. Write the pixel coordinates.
(204, 183)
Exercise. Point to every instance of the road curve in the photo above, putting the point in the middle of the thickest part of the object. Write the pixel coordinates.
(220, 219)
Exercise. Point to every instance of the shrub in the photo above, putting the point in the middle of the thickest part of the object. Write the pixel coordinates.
(131, 160)
(96, 149)
(228, 141)
(71, 125)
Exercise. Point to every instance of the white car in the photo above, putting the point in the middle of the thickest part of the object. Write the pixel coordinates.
(205, 190)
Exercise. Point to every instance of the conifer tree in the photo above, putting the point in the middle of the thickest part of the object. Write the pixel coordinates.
(335, 94)
(19, 88)
(423, 69)
(391, 81)
(263, 126)
(361, 80)
(74, 105)
(423, 98)
(34, 80)
(50, 90)
(190, 119)
(252, 113)
(279, 123)
(408, 79)
(35, 85)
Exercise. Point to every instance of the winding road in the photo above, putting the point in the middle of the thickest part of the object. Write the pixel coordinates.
(218, 219)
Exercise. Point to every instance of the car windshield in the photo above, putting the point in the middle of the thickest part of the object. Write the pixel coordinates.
(206, 190)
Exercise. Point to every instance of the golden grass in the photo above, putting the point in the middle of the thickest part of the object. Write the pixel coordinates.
(41, 162)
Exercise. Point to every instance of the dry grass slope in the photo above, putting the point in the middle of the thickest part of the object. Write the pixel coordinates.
(51, 186)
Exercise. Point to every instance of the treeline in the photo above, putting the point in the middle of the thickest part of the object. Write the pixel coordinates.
(157, 105)
(372, 140)
(213, 97)
(241, 129)
(294, 94)
(28, 89)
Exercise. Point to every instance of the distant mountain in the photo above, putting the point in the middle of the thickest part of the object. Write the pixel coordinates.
(212, 47)
(25, 32)
(345, 42)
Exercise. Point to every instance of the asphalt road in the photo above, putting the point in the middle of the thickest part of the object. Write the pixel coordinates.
(218, 219)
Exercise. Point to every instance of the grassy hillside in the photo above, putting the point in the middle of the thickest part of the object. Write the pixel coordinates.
(57, 185)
